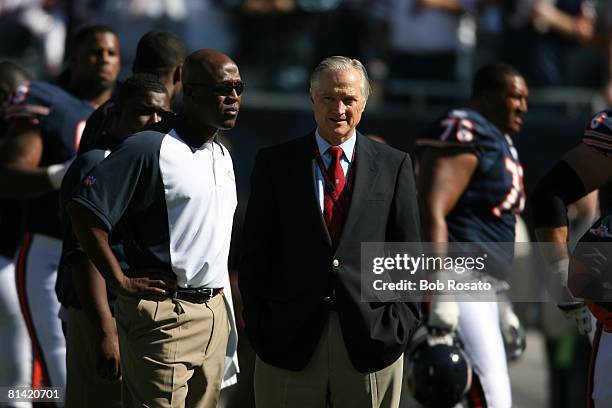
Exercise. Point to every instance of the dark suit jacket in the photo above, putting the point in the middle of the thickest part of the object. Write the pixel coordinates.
(286, 271)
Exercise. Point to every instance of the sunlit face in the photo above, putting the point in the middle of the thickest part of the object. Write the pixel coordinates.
(338, 104)
(219, 97)
(508, 116)
(140, 111)
(97, 60)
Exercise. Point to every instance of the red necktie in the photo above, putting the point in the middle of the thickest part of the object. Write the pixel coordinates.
(334, 202)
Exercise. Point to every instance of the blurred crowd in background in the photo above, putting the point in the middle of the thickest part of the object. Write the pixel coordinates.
(277, 42)
(414, 50)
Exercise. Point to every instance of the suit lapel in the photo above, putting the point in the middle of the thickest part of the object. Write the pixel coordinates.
(366, 170)
(308, 194)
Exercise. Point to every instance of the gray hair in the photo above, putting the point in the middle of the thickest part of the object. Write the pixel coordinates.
(337, 63)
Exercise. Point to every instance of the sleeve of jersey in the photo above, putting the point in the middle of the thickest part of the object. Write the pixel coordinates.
(29, 101)
(598, 133)
(122, 179)
(71, 183)
(456, 132)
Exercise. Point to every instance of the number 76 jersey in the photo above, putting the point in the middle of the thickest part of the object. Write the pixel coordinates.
(486, 210)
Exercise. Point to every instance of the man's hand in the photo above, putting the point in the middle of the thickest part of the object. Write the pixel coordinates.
(444, 315)
(571, 307)
(154, 285)
(108, 364)
(580, 314)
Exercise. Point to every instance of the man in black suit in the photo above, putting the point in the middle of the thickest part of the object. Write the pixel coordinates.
(314, 200)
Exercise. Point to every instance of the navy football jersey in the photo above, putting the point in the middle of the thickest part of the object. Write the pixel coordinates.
(486, 211)
(591, 273)
(61, 119)
(598, 135)
(590, 266)
(97, 132)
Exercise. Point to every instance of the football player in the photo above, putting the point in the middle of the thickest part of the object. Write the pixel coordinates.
(159, 53)
(15, 349)
(44, 125)
(583, 169)
(470, 189)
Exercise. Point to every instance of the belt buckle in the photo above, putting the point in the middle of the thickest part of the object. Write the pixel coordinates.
(205, 293)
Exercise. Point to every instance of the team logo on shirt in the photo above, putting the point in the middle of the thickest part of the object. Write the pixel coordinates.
(230, 174)
(89, 181)
(598, 119)
(19, 94)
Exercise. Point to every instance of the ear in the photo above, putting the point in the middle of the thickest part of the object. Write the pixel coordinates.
(311, 99)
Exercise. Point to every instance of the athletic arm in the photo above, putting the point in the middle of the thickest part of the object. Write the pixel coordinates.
(441, 181)
(591, 171)
(93, 237)
(91, 290)
(20, 157)
(581, 171)
(443, 177)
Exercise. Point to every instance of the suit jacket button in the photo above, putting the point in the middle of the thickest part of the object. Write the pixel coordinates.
(335, 264)
(328, 299)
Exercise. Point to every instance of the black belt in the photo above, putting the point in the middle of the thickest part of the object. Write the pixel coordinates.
(197, 295)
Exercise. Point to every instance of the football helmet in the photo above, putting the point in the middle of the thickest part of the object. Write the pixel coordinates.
(439, 373)
(513, 333)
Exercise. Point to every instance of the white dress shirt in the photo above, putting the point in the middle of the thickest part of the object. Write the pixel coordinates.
(345, 161)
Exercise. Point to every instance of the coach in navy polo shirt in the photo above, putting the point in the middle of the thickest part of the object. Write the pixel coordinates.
(170, 192)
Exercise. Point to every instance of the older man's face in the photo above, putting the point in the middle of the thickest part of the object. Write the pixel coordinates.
(338, 103)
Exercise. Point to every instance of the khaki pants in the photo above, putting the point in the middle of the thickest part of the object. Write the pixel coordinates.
(172, 351)
(329, 375)
(84, 387)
